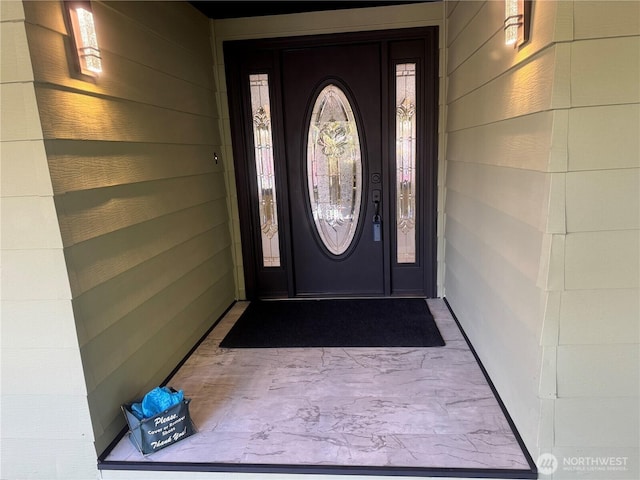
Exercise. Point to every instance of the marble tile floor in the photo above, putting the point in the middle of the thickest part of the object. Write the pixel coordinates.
(387, 407)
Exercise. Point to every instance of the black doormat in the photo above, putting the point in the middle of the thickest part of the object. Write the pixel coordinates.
(401, 322)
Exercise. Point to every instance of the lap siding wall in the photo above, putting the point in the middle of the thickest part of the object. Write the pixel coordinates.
(542, 216)
(141, 203)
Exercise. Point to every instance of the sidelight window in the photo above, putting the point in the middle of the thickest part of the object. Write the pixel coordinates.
(266, 180)
(406, 162)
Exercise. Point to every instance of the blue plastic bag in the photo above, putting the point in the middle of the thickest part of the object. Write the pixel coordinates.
(156, 401)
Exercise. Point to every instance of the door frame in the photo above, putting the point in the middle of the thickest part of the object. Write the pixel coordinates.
(244, 57)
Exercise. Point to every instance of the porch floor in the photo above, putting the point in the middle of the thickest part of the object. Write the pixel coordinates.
(405, 408)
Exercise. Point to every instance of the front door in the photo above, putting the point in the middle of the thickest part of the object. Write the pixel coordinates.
(334, 146)
(333, 132)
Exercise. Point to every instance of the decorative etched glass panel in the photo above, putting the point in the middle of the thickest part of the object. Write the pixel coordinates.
(263, 145)
(334, 169)
(406, 162)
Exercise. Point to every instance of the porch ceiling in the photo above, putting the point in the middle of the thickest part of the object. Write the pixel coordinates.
(245, 8)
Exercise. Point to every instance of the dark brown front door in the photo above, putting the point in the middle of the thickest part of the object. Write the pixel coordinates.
(352, 218)
(356, 71)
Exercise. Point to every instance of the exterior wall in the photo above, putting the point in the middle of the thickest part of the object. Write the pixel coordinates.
(141, 217)
(140, 201)
(45, 425)
(597, 356)
(542, 217)
(312, 23)
(502, 130)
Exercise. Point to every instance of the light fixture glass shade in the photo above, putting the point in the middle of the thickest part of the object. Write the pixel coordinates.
(511, 15)
(86, 40)
(517, 21)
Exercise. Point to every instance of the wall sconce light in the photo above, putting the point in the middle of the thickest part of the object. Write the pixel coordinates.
(517, 21)
(85, 38)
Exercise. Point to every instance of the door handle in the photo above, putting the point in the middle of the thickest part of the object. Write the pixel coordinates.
(376, 196)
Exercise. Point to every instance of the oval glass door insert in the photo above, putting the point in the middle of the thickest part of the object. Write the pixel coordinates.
(334, 169)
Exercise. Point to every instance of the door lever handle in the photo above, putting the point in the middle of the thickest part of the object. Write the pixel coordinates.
(376, 195)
